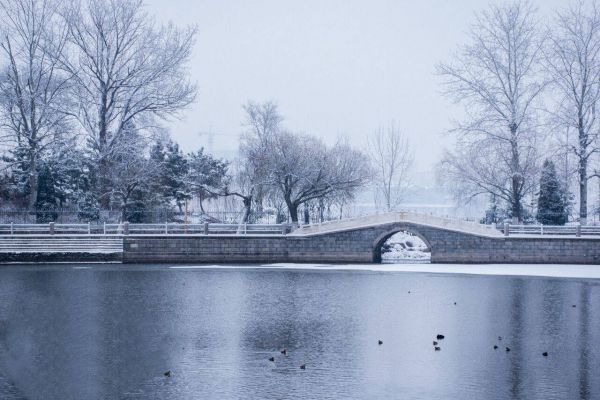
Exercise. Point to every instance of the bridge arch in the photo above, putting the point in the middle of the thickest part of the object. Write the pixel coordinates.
(381, 239)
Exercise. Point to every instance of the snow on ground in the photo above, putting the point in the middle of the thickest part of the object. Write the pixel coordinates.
(404, 246)
(541, 270)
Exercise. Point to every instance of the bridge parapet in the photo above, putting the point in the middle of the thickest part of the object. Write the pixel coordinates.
(453, 224)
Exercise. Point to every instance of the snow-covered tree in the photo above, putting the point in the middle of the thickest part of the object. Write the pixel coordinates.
(207, 176)
(302, 168)
(391, 159)
(33, 90)
(495, 212)
(497, 79)
(573, 61)
(47, 199)
(250, 182)
(173, 175)
(131, 176)
(126, 71)
(552, 209)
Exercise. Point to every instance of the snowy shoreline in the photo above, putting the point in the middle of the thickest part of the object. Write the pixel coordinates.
(533, 270)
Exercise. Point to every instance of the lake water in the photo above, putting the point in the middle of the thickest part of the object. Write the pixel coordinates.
(111, 331)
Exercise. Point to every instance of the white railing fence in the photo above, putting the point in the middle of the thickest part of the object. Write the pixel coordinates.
(207, 228)
(143, 229)
(572, 230)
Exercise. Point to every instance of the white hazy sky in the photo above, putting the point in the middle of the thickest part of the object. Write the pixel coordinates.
(336, 68)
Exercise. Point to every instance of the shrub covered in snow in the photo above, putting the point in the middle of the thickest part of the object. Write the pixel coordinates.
(405, 246)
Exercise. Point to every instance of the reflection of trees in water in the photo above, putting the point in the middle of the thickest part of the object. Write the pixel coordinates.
(563, 333)
(516, 328)
(584, 341)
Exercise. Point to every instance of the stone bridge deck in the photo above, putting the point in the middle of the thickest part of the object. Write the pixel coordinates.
(398, 218)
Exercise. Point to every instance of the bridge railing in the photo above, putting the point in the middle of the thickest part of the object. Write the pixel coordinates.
(556, 230)
(144, 229)
(392, 217)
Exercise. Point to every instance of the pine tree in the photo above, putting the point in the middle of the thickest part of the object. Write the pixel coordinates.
(174, 172)
(206, 175)
(552, 209)
(495, 213)
(47, 196)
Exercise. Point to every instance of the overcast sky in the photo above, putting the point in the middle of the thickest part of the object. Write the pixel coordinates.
(336, 68)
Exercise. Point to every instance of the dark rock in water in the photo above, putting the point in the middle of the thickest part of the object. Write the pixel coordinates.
(507, 349)
(168, 374)
(380, 342)
(495, 347)
(545, 354)
(440, 337)
(436, 348)
(499, 337)
(574, 306)
(303, 366)
(435, 343)
(284, 352)
(272, 359)
(454, 303)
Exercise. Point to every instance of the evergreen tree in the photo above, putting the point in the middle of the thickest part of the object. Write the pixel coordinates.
(495, 213)
(173, 175)
(46, 203)
(552, 209)
(156, 187)
(207, 176)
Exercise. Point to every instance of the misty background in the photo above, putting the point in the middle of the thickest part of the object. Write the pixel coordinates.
(336, 68)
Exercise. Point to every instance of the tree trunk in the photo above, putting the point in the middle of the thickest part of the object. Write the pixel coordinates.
(517, 178)
(247, 208)
(245, 215)
(33, 182)
(321, 210)
(306, 215)
(293, 209)
(103, 167)
(583, 183)
(583, 157)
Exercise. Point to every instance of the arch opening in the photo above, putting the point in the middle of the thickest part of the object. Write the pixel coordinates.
(402, 246)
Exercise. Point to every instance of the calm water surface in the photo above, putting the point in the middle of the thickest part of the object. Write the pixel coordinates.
(109, 332)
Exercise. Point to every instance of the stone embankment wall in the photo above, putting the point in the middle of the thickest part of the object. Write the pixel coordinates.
(360, 245)
(60, 248)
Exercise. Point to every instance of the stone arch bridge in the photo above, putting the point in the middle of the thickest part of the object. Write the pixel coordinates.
(359, 240)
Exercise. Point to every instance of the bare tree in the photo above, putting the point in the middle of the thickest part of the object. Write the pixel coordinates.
(250, 181)
(127, 71)
(263, 122)
(480, 169)
(573, 61)
(497, 78)
(32, 89)
(391, 159)
(302, 169)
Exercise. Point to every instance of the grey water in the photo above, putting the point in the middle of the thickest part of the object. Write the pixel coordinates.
(111, 331)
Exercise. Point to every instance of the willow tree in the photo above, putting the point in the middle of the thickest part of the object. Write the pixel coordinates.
(496, 77)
